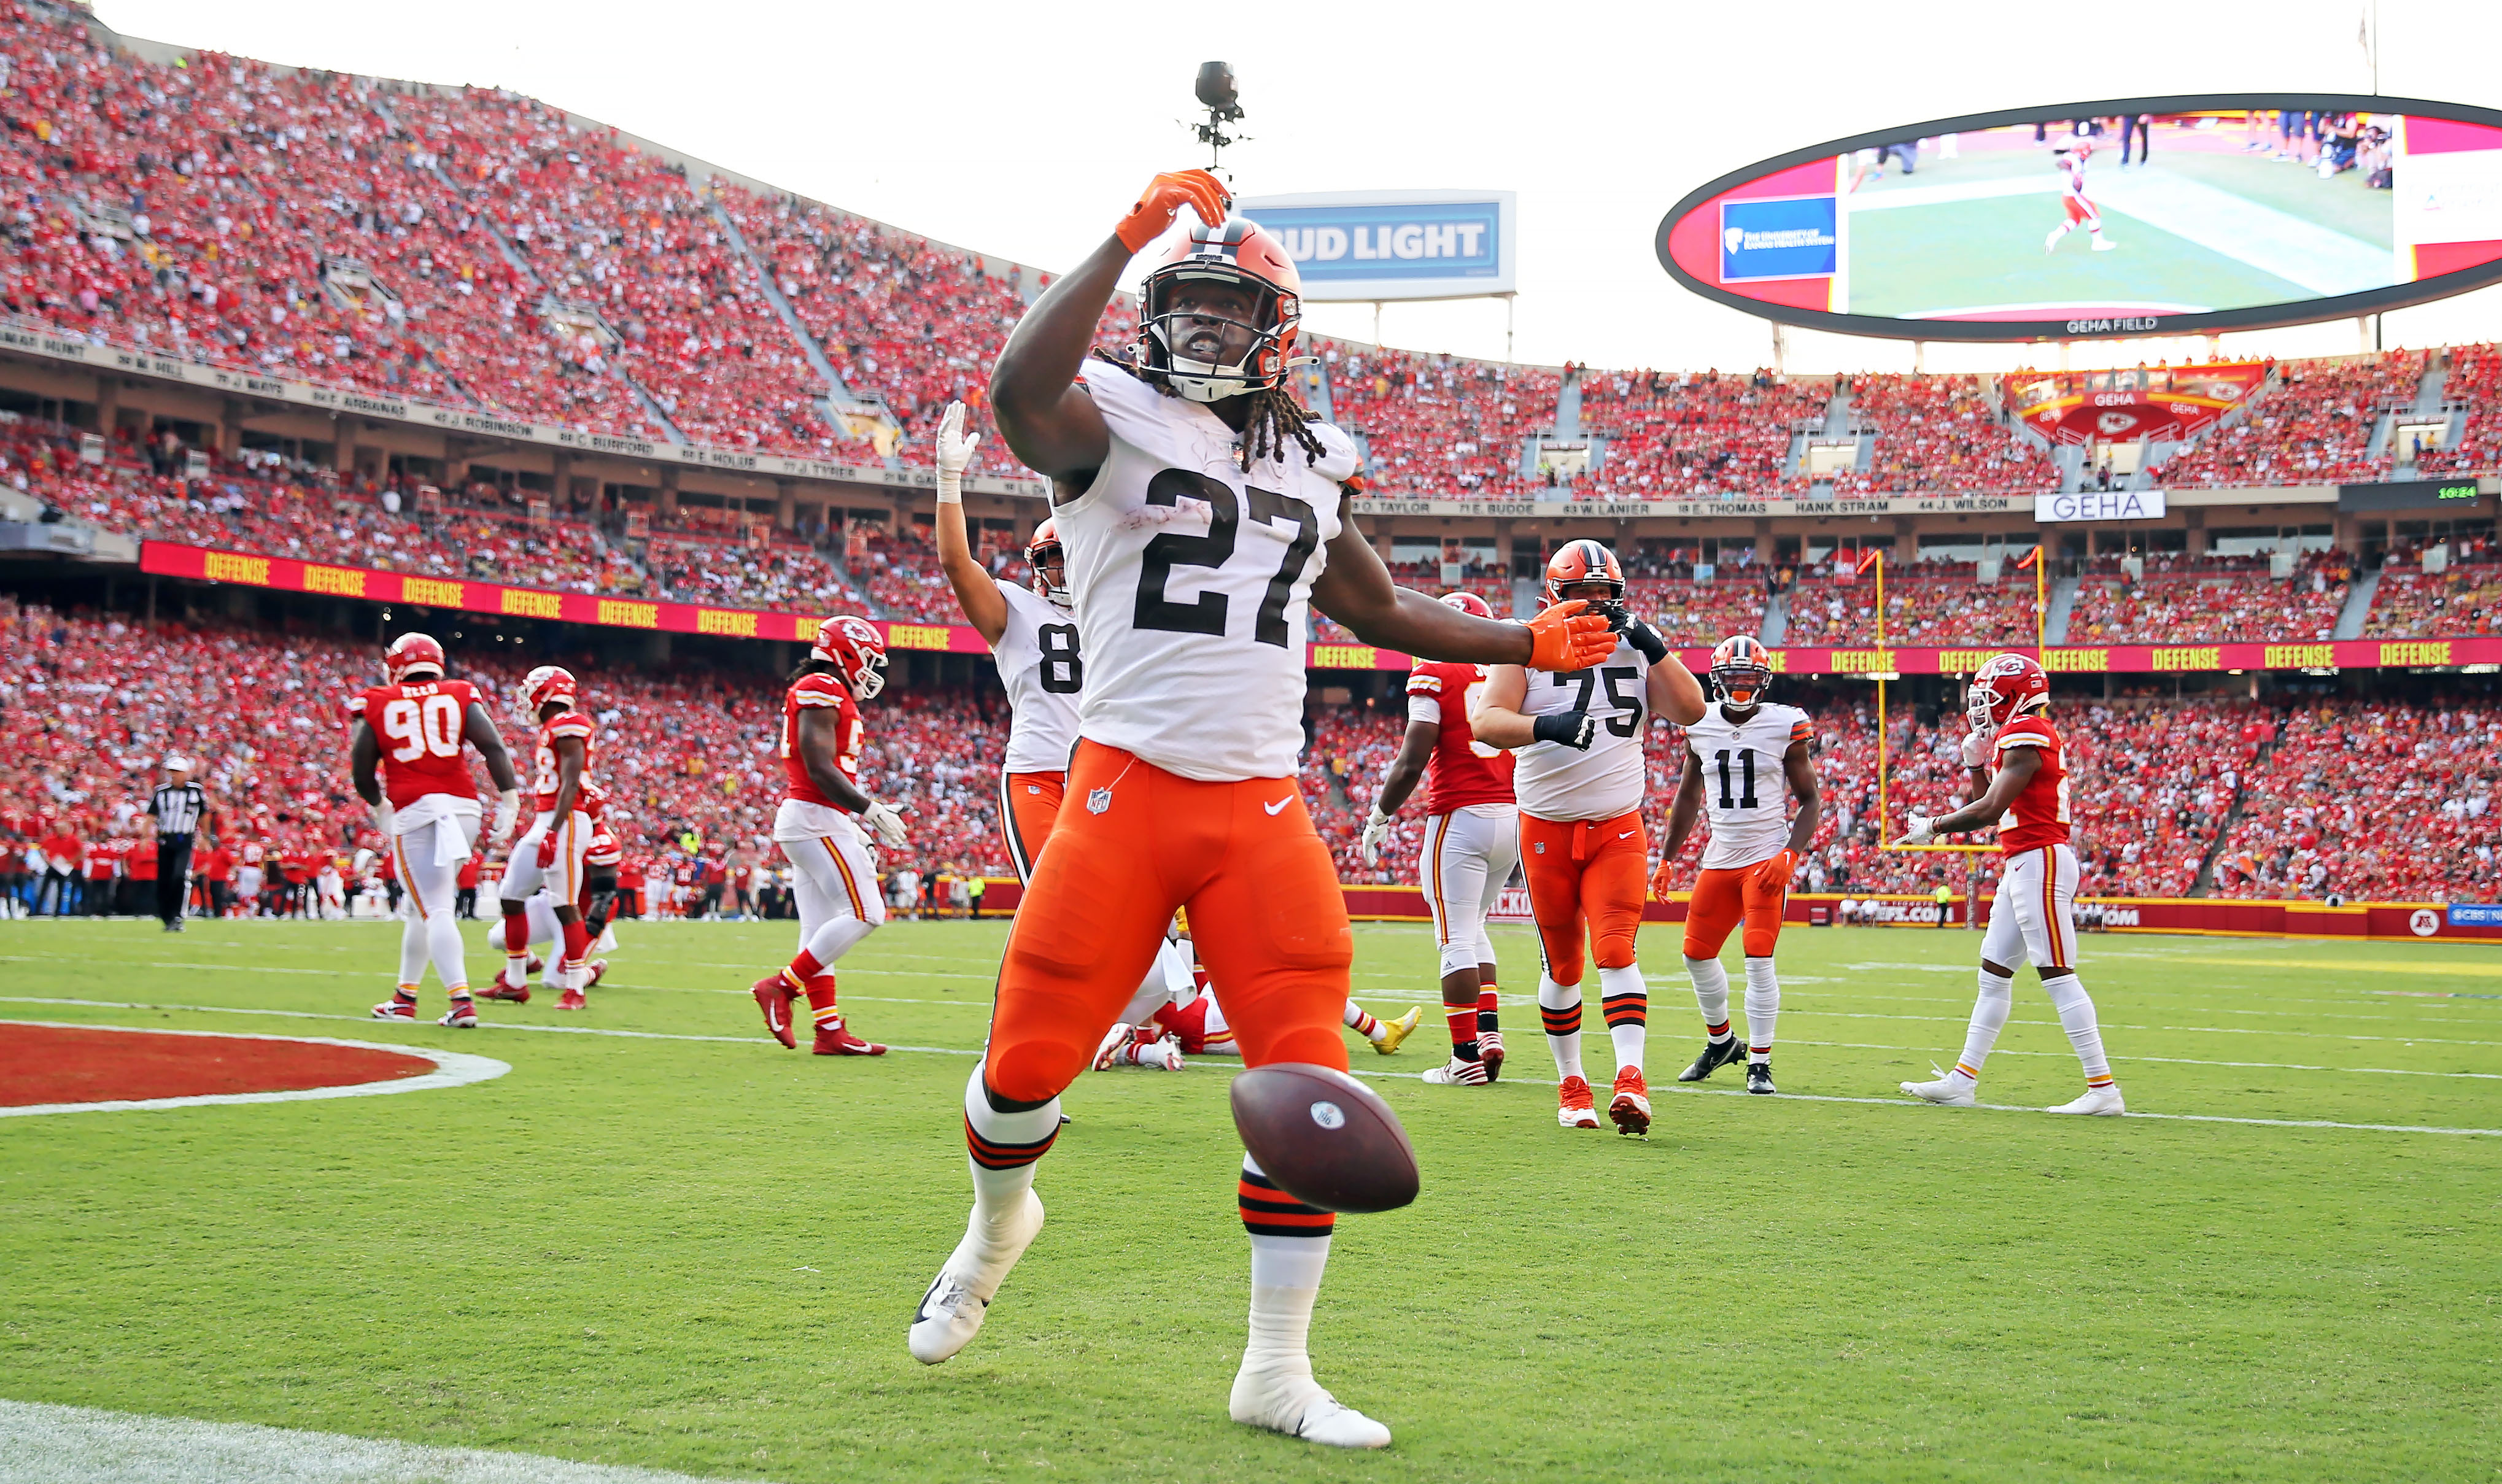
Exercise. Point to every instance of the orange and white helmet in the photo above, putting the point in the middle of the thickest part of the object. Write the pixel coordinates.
(548, 684)
(410, 654)
(1742, 670)
(1238, 252)
(1045, 547)
(852, 646)
(1584, 562)
(2008, 687)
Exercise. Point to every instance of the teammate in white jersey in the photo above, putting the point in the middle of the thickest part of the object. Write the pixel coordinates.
(1580, 780)
(1732, 756)
(1200, 509)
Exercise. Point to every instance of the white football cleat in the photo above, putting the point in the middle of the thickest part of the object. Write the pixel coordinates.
(1457, 1073)
(1300, 1408)
(952, 1311)
(1163, 1055)
(607, 943)
(1945, 1092)
(1114, 1041)
(2104, 244)
(2098, 1102)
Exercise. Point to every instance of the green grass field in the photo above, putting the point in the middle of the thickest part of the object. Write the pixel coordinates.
(698, 1252)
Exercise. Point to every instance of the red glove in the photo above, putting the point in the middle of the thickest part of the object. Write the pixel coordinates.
(1563, 638)
(1774, 875)
(546, 850)
(1164, 197)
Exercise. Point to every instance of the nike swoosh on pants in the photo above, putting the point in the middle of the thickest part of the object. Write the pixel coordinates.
(1279, 804)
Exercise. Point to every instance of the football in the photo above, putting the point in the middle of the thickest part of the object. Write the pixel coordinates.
(1327, 1139)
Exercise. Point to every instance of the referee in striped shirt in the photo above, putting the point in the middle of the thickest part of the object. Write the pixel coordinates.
(177, 806)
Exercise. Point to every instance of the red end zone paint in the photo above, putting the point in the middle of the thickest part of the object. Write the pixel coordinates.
(77, 1063)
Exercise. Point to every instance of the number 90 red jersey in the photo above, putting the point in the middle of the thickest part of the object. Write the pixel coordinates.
(812, 691)
(2039, 815)
(419, 725)
(1463, 771)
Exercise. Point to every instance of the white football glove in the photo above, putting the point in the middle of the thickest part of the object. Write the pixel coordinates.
(1918, 830)
(887, 822)
(508, 810)
(955, 454)
(383, 819)
(1376, 829)
(1976, 749)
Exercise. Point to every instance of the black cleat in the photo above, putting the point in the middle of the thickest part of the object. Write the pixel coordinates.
(1759, 1077)
(1716, 1055)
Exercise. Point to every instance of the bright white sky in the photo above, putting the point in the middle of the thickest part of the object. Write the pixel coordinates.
(1026, 130)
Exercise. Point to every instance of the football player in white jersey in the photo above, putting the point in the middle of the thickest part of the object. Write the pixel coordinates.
(1580, 780)
(1201, 513)
(1731, 758)
(1032, 635)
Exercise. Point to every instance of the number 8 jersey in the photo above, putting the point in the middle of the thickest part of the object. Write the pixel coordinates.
(1746, 782)
(1193, 584)
(1606, 779)
(1042, 669)
(419, 725)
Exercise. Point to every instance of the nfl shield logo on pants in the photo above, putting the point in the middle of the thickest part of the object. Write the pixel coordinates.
(1098, 800)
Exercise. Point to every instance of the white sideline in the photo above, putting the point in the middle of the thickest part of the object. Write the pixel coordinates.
(451, 1068)
(1386, 1076)
(42, 1443)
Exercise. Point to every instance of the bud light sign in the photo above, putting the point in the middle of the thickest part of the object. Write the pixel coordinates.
(1366, 244)
(1777, 239)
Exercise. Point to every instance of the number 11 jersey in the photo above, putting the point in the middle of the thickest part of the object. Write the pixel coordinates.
(1193, 584)
(1745, 781)
(1041, 666)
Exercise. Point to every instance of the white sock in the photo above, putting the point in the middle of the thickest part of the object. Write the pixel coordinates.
(1763, 1008)
(1710, 995)
(1988, 1018)
(1554, 999)
(2077, 1015)
(1626, 1001)
(998, 1195)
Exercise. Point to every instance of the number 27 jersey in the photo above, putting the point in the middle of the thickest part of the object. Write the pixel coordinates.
(1193, 584)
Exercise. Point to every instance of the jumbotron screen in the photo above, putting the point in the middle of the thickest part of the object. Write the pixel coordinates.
(2152, 215)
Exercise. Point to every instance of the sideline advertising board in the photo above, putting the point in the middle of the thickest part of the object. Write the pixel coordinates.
(1355, 246)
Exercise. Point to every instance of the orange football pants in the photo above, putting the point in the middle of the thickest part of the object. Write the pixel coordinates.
(1585, 872)
(1725, 896)
(1265, 915)
(1029, 804)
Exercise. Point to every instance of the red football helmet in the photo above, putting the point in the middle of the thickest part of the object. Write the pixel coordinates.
(1468, 602)
(1045, 547)
(852, 646)
(1239, 253)
(545, 684)
(1742, 669)
(1584, 562)
(2007, 687)
(411, 652)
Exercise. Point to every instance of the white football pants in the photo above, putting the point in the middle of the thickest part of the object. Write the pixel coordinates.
(1469, 855)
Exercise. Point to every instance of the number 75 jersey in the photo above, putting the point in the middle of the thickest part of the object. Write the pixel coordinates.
(1193, 583)
(1746, 783)
(1604, 780)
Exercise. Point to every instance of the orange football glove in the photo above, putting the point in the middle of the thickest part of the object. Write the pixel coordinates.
(1774, 875)
(1659, 881)
(1164, 197)
(1563, 638)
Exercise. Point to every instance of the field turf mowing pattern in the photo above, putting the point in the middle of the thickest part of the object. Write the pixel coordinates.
(700, 1254)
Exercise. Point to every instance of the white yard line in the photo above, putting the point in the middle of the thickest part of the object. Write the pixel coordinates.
(451, 1068)
(50, 1444)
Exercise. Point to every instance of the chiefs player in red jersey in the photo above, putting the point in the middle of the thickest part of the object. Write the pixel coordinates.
(1471, 845)
(425, 804)
(2033, 916)
(836, 881)
(552, 852)
(599, 900)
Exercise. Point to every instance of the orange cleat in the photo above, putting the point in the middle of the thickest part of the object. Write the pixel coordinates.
(1574, 1109)
(1631, 1106)
(773, 995)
